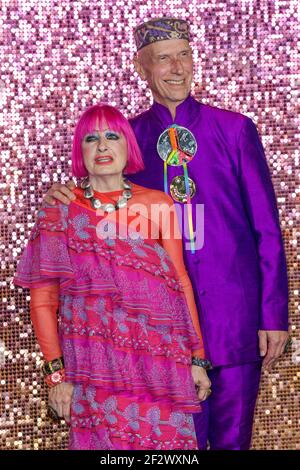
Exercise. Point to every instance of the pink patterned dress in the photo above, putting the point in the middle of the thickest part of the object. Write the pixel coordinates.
(124, 329)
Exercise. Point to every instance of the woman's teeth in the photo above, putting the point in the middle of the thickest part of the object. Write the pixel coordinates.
(103, 160)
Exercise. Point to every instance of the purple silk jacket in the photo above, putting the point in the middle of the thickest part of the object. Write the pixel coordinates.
(239, 275)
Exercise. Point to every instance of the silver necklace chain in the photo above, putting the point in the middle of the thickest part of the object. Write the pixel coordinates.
(109, 207)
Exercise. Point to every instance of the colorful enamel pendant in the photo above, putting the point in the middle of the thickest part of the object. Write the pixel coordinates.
(176, 145)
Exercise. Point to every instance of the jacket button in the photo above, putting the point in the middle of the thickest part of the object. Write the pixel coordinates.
(202, 292)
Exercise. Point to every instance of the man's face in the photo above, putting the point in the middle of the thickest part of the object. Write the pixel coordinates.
(168, 68)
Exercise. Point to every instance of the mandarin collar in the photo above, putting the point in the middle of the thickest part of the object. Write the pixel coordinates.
(184, 112)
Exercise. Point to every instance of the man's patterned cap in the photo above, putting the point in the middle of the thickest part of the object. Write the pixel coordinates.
(160, 29)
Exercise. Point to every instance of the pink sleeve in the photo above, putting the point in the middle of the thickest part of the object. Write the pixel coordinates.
(44, 303)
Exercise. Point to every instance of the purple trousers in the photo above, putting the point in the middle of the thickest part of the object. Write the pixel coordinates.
(227, 416)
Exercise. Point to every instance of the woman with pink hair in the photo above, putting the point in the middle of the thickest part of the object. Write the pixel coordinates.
(124, 363)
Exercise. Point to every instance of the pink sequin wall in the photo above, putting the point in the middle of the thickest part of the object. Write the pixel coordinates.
(58, 57)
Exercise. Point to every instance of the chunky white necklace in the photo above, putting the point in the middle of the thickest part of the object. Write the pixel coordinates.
(109, 207)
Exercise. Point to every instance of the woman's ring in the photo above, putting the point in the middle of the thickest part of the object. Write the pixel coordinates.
(287, 345)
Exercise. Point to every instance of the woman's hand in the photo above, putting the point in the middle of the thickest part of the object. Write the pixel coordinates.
(202, 382)
(60, 398)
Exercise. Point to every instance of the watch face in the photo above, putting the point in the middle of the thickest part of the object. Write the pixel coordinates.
(178, 191)
(176, 145)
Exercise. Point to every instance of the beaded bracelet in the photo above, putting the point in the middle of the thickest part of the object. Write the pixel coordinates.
(205, 363)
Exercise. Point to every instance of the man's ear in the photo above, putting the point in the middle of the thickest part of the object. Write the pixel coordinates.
(138, 67)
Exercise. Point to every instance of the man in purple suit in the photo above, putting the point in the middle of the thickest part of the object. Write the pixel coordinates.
(239, 274)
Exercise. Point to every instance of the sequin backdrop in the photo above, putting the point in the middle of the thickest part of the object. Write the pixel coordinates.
(56, 58)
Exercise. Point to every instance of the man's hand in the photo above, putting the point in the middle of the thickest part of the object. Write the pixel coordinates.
(60, 398)
(60, 192)
(201, 381)
(271, 345)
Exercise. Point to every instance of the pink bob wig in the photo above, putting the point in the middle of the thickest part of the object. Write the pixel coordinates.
(101, 114)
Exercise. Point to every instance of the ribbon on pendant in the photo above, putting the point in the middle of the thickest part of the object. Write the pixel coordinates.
(177, 147)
